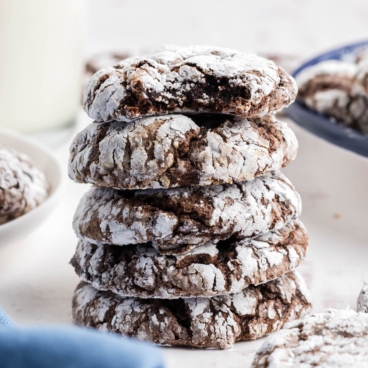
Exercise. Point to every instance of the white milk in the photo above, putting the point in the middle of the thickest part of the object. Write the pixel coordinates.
(41, 62)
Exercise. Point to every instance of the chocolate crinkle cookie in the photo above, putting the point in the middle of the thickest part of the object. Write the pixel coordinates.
(208, 270)
(335, 338)
(175, 150)
(337, 89)
(327, 88)
(22, 186)
(212, 323)
(176, 220)
(188, 80)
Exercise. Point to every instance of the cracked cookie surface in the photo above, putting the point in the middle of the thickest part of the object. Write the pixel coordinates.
(188, 80)
(22, 186)
(175, 150)
(208, 270)
(327, 88)
(336, 89)
(176, 220)
(335, 338)
(215, 323)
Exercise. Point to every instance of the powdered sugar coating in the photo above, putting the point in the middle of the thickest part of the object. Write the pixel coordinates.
(176, 220)
(216, 322)
(327, 88)
(338, 68)
(207, 270)
(188, 79)
(22, 186)
(335, 338)
(170, 151)
(338, 90)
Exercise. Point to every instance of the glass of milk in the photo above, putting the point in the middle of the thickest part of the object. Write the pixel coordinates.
(41, 63)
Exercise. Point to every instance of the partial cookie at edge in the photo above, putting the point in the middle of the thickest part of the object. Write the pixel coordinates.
(336, 89)
(335, 338)
(215, 323)
(327, 88)
(22, 186)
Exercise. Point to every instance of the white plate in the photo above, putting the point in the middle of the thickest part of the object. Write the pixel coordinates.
(45, 160)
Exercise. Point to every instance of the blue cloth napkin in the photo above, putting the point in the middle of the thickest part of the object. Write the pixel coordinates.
(71, 347)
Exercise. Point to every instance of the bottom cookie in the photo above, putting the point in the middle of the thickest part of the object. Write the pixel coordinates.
(213, 323)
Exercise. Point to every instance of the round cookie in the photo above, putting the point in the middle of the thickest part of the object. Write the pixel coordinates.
(176, 220)
(22, 186)
(359, 104)
(188, 80)
(336, 89)
(175, 150)
(215, 323)
(335, 338)
(209, 270)
(327, 88)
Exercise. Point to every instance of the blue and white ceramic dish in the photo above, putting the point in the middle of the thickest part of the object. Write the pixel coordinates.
(321, 125)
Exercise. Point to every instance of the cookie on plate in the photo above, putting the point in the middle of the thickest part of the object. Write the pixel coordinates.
(215, 323)
(335, 338)
(337, 89)
(22, 186)
(176, 220)
(208, 270)
(188, 80)
(327, 88)
(175, 150)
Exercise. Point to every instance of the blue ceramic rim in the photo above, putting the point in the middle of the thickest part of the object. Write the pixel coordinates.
(321, 125)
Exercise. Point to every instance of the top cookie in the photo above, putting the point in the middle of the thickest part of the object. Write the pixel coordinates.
(22, 186)
(188, 79)
(336, 338)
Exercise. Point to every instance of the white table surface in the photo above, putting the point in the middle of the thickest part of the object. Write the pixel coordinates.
(36, 281)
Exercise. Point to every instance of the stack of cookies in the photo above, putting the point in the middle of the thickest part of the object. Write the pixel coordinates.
(190, 234)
